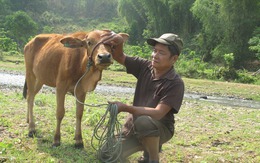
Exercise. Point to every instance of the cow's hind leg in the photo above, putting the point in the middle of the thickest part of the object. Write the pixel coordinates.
(79, 113)
(60, 111)
(33, 88)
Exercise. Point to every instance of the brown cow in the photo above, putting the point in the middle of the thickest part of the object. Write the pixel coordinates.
(48, 62)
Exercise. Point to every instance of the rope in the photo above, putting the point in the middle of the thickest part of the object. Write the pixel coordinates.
(75, 94)
(106, 132)
(109, 136)
(89, 64)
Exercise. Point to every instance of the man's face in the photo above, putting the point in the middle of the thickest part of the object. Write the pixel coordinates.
(162, 58)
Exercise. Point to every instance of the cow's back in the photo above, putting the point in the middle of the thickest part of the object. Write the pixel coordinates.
(49, 61)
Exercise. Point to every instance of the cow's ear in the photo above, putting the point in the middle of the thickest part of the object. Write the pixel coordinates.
(124, 35)
(71, 42)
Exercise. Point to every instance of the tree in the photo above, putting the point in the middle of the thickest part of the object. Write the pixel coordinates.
(183, 21)
(210, 36)
(134, 14)
(20, 27)
(254, 43)
(35, 6)
(6, 43)
(150, 18)
(226, 28)
(240, 19)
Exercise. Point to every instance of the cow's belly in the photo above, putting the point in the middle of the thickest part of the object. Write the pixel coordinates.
(46, 73)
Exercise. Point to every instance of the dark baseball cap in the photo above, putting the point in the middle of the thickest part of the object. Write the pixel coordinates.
(168, 39)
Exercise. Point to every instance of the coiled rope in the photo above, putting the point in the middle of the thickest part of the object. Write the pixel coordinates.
(109, 136)
(106, 132)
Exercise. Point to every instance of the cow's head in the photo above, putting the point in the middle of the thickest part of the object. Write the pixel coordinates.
(99, 54)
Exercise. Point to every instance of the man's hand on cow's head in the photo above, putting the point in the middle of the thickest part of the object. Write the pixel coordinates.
(116, 42)
(116, 39)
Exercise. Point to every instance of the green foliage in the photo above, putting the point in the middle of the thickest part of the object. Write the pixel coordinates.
(134, 14)
(209, 28)
(181, 19)
(144, 21)
(140, 51)
(227, 74)
(191, 65)
(226, 27)
(47, 29)
(254, 42)
(1, 55)
(229, 60)
(4, 147)
(243, 76)
(20, 27)
(51, 19)
(211, 34)
(6, 43)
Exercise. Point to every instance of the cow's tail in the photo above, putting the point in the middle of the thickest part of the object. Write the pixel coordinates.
(25, 89)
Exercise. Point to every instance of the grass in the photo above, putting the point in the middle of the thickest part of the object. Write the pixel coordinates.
(205, 132)
(14, 63)
(218, 88)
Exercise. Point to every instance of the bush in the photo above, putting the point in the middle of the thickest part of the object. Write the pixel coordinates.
(1, 55)
(245, 77)
(254, 42)
(6, 43)
(190, 65)
(141, 51)
(226, 74)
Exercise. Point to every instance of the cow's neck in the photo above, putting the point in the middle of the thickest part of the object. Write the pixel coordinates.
(89, 82)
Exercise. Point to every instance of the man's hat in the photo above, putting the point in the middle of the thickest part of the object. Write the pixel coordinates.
(168, 39)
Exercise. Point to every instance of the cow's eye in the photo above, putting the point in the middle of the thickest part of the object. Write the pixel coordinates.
(89, 43)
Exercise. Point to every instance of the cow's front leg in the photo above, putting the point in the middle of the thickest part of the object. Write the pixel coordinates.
(79, 113)
(60, 111)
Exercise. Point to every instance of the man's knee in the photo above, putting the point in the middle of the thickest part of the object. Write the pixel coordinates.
(145, 126)
(144, 123)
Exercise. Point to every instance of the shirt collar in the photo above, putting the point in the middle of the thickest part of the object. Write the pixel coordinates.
(170, 75)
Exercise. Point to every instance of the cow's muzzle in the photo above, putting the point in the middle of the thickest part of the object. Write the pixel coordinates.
(105, 58)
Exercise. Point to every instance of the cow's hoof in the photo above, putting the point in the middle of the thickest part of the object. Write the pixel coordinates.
(32, 134)
(79, 146)
(54, 145)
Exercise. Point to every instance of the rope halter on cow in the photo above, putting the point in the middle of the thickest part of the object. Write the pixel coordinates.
(108, 35)
(107, 133)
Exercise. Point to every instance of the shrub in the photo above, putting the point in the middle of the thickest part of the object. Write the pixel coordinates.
(245, 77)
(6, 43)
(141, 51)
(190, 65)
(226, 74)
(1, 55)
(254, 42)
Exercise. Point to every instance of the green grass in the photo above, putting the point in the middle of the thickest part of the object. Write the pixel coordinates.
(205, 132)
(13, 63)
(218, 88)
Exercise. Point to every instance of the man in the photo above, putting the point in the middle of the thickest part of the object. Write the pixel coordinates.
(158, 96)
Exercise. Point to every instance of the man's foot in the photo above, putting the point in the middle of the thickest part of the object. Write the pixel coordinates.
(143, 159)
